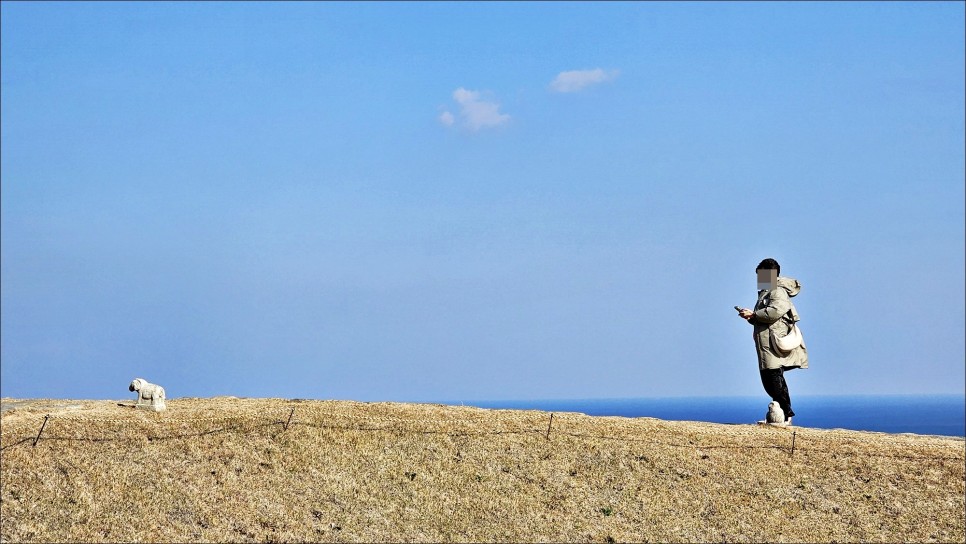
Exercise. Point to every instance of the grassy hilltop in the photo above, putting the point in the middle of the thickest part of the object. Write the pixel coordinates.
(239, 470)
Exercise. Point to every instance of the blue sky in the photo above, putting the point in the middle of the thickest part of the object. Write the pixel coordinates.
(469, 201)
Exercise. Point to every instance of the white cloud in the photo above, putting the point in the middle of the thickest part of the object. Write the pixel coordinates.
(575, 80)
(447, 119)
(475, 111)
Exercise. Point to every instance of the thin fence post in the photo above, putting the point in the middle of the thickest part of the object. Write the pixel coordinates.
(46, 417)
(793, 442)
(549, 425)
(289, 418)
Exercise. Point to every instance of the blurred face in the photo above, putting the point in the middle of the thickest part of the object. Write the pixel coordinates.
(767, 279)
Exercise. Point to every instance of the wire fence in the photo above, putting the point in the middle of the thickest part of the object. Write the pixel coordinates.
(161, 427)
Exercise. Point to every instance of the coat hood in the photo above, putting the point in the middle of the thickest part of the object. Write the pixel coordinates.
(790, 285)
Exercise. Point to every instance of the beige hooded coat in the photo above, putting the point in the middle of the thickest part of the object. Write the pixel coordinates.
(773, 316)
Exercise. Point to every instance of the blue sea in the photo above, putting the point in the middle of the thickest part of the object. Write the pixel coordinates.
(933, 414)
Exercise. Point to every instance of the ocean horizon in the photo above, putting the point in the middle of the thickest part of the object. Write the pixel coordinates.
(919, 414)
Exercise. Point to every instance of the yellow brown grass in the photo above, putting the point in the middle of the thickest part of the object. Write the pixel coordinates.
(229, 469)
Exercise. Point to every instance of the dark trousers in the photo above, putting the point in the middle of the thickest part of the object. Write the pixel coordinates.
(774, 381)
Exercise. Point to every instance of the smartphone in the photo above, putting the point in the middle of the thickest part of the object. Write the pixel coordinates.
(737, 308)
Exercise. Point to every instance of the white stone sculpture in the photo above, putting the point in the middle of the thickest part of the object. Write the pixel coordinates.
(150, 396)
(775, 414)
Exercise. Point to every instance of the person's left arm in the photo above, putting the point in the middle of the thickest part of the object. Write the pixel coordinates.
(778, 305)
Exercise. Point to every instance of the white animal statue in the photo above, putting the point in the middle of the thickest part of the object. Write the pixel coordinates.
(775, 414)
(150, 396)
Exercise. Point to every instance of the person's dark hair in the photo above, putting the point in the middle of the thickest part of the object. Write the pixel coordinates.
(769, 264)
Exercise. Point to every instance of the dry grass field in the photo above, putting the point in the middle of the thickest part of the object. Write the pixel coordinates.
(240, 470)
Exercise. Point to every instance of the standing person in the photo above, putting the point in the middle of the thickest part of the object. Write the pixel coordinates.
(773, 316)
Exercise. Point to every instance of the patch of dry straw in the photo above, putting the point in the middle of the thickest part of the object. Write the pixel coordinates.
(229, 469)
